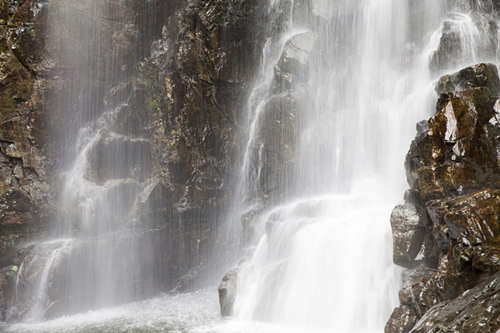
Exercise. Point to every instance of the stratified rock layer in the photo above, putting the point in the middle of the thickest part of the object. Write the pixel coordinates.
(453, 168)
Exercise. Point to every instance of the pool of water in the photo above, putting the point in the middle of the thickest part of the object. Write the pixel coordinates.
(168, 313)
(195, 312)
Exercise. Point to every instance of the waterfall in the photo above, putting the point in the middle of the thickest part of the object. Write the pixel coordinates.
(322, 256)
(323, 136)
(105, 166)
(248, 176)
(41, 298)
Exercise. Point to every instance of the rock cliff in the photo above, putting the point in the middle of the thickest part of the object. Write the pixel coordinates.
(25, 195)
(181, 71)
(447, 232)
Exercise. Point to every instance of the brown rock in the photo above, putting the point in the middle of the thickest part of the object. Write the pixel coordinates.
(407, 234)
(453, 171)
(402, 320)
(476, 311)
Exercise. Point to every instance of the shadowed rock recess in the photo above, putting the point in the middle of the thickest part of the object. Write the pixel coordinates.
(447, 234)
(182, 68)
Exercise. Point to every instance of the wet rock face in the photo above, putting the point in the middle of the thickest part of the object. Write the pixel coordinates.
(25, 199)
(458, 152)
(194, 87)
(118, 157)
(276, 143)
(482, 75)
(227, 292)
(475, 310)
(453, 171)
(408, 234)
(456, 48)
(181, 67)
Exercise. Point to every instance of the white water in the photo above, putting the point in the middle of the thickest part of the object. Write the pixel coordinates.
(104, 174)
(166, 313)
(54, 249)
(322, 258)
(323, 261)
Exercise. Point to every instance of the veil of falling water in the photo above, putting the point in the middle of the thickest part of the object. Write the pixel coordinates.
(323, 257)
(96, 256)
(320, 255)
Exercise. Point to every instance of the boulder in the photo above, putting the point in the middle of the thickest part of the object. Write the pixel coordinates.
(407, 234)
(478, 76)
(227, 292)
(459, 151)
(475, 311)
(470, 224)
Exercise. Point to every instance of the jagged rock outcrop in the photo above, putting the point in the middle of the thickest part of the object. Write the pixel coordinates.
(408, 234)
(453, 168)
(476, 310)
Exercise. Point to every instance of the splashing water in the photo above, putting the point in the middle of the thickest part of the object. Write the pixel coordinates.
(322, 257)
(321, 254)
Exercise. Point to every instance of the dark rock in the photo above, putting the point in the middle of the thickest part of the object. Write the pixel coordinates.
(7, 289)
(454, 47)
(453, 172)
(476, 310)
(117, 156)
(478, 76)
(192, 85)
(402, 320)
(277, 145)
(407, 234)
(471, 225)
(458, 152)
(424, 287)
(227, 292)
(26, 203)
(448, 54)
(292, 68)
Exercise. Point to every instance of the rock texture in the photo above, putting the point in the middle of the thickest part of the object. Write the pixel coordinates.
(448, 232)
(456, 48)
(227, 292)
(181, 70)
(25, 196)
(192, 88)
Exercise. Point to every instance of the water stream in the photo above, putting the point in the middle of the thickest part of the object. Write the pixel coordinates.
(319, 258)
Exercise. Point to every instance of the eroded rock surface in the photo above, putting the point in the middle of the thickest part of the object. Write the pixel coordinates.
(454, 175)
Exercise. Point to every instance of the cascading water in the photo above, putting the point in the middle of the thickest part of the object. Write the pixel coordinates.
(249, 175)
(323, 260)
(95, 258)
(354, 76)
